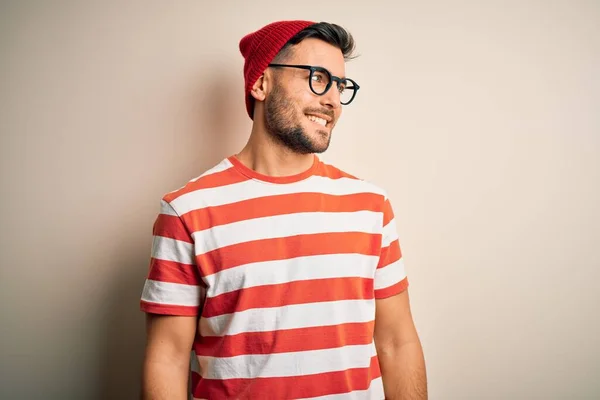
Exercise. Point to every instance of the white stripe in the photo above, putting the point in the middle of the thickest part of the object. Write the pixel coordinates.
(289, 317)
(287, 364)
(390, 233)
(168, 249)
(224, 165)
(291, 270)
(389, 275)
(169, 293)
(250, 189)
(194, 366)
(165, 208)
(284, 226)
(220, 167)
(374, 392)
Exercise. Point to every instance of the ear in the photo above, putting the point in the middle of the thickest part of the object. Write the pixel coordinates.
(259, 89)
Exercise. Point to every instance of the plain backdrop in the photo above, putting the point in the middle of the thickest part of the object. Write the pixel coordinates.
(480, 118)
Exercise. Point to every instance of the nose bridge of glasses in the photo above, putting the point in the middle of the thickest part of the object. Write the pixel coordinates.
(340, 82)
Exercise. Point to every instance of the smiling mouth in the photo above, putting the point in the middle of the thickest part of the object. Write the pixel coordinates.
(317, 120)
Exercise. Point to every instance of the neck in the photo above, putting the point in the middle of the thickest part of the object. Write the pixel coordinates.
(266, 156)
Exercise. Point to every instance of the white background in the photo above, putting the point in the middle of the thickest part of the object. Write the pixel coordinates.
(480, 118)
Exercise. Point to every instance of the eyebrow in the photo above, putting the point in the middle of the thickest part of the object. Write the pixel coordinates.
(341, 77)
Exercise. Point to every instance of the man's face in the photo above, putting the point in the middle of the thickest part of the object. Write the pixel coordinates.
(290, 105)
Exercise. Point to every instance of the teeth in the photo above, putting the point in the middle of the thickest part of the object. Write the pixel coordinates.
(318, 120)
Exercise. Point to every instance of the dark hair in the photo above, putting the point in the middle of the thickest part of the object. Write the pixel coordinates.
(327, 32)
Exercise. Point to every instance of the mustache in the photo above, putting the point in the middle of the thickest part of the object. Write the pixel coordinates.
(322, 111)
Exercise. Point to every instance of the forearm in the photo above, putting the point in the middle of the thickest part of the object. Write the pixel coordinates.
(162, 381)
(403, 371)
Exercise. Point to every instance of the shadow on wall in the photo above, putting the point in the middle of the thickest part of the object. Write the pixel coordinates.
(212, 125)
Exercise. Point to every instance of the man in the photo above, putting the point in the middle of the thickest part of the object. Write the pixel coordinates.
(282, 274)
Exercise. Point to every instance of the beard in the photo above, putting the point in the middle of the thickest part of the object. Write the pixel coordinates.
(282, 124)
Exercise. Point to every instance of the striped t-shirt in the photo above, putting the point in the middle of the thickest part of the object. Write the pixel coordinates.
(282, 273)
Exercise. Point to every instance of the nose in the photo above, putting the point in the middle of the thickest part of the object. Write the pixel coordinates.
(331, 99)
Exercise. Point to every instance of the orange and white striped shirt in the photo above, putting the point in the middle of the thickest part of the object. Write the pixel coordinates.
(282, 273)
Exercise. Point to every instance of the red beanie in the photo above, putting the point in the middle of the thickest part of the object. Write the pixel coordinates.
(260, 47)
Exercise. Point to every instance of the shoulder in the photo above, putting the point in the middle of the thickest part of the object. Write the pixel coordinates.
(365, 186)
(217, 176)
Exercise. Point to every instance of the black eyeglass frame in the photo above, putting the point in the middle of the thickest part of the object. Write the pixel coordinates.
(332, 78)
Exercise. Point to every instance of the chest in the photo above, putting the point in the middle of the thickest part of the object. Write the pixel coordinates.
(289, 248)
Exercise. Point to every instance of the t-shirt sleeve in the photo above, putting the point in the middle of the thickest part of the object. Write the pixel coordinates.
(173, 285)
(390, 275)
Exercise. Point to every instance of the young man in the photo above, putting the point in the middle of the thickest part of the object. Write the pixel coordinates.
(283, 274)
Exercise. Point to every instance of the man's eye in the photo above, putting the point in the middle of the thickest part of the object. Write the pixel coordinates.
(318, 77)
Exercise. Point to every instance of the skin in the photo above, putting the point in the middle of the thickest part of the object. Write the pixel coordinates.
(399, 349)
(281, 144)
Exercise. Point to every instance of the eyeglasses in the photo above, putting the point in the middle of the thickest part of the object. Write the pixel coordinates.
(320, 82)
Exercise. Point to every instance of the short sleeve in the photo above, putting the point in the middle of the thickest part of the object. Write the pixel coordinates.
(173, 285)
(390, 275)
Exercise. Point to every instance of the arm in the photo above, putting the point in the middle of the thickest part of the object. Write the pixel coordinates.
(165, 370)
(398, 346)
(172, 300)
(399, 349)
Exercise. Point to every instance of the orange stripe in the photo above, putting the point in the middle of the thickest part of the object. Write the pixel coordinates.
(210, 217)
(167, 309)
(170, 271)
(390, 254)
(223, 178)
(299, 292)
(288, 387)
(172, 227)
(288, 247)
(285, 340)
(332, 172)
(392, 290)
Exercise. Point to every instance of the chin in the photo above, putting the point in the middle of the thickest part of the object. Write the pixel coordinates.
(321, 141)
